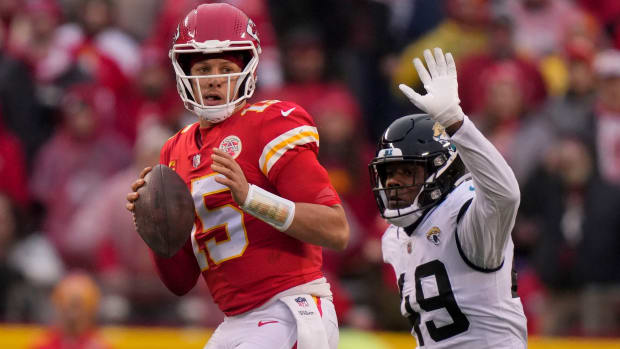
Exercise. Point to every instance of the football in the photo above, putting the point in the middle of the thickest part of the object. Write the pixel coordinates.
(164, 211)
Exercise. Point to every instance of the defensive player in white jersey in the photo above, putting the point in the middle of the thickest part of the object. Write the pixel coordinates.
(451, 200)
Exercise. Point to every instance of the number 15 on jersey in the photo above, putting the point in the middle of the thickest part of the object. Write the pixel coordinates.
(222, 234)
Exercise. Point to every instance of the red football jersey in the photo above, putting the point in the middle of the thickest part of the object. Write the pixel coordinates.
(245, 261)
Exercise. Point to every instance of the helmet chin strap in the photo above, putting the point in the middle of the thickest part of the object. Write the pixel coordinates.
(404, 217)
(214, 114)
(406, 220)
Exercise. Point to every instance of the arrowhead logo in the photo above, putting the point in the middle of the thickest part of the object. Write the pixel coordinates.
(231, 145)
(261, 323)
(286, 113)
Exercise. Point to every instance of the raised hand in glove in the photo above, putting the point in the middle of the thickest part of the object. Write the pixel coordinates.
(442, 98)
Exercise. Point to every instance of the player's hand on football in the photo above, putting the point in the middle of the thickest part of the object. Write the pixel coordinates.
(233, 176)
(133, 196)
(442, 98)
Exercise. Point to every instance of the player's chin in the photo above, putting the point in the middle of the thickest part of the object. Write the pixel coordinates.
(213, 103)
(396, 204)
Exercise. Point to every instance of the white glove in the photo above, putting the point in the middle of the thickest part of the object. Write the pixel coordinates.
(442, 98)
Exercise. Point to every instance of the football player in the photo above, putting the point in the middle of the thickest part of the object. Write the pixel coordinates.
(451, 200)
(264, 204)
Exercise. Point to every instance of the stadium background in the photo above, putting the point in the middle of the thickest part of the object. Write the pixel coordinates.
(87, 97)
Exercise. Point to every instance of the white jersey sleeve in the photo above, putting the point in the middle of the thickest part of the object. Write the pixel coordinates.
(485, 227)
(390, 248)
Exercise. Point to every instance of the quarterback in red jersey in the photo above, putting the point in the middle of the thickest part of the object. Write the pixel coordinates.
(264, 204)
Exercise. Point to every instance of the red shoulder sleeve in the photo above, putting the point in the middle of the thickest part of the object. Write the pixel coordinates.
(285, 131)
(180, 272)
(290, 144)
(303, 179)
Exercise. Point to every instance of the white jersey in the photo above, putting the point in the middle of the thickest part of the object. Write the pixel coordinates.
(454, 269)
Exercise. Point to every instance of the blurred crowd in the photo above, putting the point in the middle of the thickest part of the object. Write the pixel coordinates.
(88, 97)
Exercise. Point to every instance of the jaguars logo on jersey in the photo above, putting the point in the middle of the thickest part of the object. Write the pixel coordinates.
(433, 235)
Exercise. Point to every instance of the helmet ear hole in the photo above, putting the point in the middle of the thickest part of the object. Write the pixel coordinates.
(184, 62)
(246, 57)
(438, 161)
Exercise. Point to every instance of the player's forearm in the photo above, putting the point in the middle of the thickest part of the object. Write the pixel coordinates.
(493, 177)
(179, 273)
(320, 225)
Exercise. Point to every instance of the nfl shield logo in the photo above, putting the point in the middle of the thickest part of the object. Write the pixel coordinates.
(302, 302)
(196, 160)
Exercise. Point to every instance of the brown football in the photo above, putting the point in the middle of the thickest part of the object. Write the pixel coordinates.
(164, 211)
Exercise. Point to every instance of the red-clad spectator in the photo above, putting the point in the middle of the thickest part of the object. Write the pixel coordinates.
(76, 301)
(541, 26)
(503, 110)
(306, 78)
(32, 38)
(99, 67)
(61, 55)
(57, 56)
(153, 94)
(500, 51)
(71, 165)
(53, 50)
(100, 52)
(8, 9)
(13, 167)
(96, 25)
(103, 71)
(171, 12)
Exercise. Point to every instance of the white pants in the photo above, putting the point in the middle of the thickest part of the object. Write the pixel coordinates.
(271, 327)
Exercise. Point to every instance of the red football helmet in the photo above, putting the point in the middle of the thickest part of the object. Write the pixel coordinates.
(213, 29)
